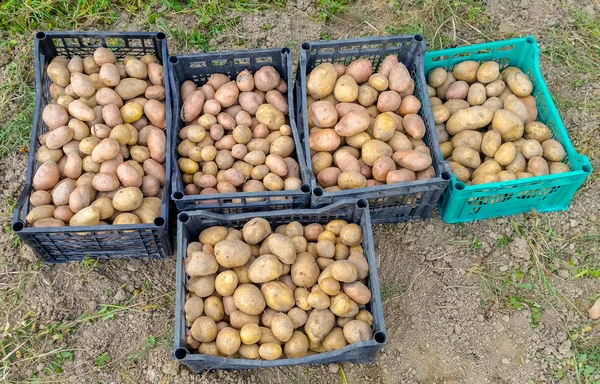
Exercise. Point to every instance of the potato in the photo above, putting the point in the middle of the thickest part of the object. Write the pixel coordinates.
(466, 71)
(128, 199)
(46, 176)
(461, 173)
(518, 164)
(204, 329)
(470, 118)
(156, 73)
(265, 268)
(509, 125)
(256, 230)
(531, 148)
(281, 246)
(553, 150)
(249, 299)
(282, 327)
(323, 114)
(352, 123)
(399, 78)
(556, 167)
(373, 150)
(506, 153)
(495, 88)
(412, 159)
(277, 295)
(250, 333)
(270, 351)
(457, 90)
(357, 292)
(466, 157)
(319, 324)
(506, 176)
(477, 94)
(442, 89)
(356, 331)
(194, 306)
(304, 271)
(513, 104)
(488, 72)
(321, 80)
(86, 216)
(232, 253)
(492, 140)
(296, 346)
(487, 167)
(470, 139)
(484, 178)
(343, 306)
(39, 213)
(213, 308)
(436, 77)
(519, 83)
(351, 180)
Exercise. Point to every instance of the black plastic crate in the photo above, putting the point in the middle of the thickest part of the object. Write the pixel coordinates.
(391, 202)
(198, 68)
(190, 224)
(62, 244)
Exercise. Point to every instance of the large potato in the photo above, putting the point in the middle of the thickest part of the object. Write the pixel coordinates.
(128, 199)
(249, 299)
(319, 324)
(469, 118)
(278, 296)
(509, 125)
(232, 253)
(265, 268)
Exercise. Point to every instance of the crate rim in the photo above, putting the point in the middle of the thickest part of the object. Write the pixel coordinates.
(161, 222)
(457, 185)
(183, 354)
(178, 196)
(317, 191)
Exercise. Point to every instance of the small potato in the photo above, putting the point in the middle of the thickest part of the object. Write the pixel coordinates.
(360, 70)
(470, 139)
(412, 159)
(442, 89)
(59, 74)
(409, 104)
(488, 72)
(379, 82)
(556, 167)
(128, 199)
(304, 271)
(461, 173)
(437, 77)
(466, 157)
(506, 176)
(126, 218)
(537, 131)
(232, 253)
(414, 125)
(270, 351)
(374, 149)
(553, 150)
(46, 176)
(487, 167)
(356, 331)
(513, 104)
(266, 78)
(352, 123)
(531, 148)
(388, 101)
(440, 113)
(265, 268)
(519, 83)
(85, 217)
(399, 78)
(493, 104)
(39, 213)
(277, 295)
(323, 114)
(476, 94)
(204, 329)
(319, 324)
(446, 148)
(213, 308)
(458, 90)
(506, 153)
(537, 166)
(518, 165)
(351, 180)
(495, 88)
(343, 306)
(466, 71)
(59, 137)
(282, 327)
(130, 88)
(492, 140)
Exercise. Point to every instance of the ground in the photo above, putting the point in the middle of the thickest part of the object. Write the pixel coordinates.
(499, 301)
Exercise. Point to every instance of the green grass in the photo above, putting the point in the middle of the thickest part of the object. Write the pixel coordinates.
(390, 290)
(328, 9)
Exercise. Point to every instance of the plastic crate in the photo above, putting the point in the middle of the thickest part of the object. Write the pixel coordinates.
(460, 202)
(62, 244)
(198, 68)
(190, 224)
(391, 202)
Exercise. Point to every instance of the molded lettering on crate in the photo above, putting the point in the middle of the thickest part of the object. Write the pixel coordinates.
(543, 192)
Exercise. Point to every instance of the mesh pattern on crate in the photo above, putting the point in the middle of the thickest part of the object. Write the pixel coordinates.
(70, 246)
(344, 211)
(85, 46)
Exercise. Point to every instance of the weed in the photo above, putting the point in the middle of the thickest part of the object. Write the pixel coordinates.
(390, 290)
(503, 241)
(330, 8)
(585, 363)
(102, 360)
(476, 243)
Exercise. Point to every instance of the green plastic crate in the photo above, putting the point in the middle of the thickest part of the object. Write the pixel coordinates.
(548, 193)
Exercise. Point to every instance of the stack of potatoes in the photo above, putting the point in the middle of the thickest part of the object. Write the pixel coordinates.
(364, 127)
(258, 294)
(236, 137)
(102, 159)
(486, 124)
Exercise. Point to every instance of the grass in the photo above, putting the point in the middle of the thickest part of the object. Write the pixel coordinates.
(328, 9)
(391, 290)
